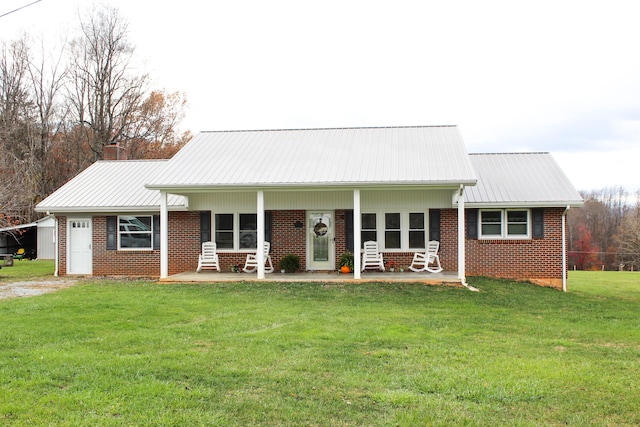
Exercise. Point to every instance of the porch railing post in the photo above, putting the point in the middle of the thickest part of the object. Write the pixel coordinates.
(461, 236)
(357, 219)
(164, 236)
(260, 231)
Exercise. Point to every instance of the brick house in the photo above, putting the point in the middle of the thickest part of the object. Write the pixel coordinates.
(497, 215)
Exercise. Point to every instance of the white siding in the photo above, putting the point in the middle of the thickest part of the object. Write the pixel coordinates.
(311, 199)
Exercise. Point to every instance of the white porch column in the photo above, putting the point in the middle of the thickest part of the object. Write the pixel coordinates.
(260, 232)
(357, 225)
(461, 235)
(164, 236)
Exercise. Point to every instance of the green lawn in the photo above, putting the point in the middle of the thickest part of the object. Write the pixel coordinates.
(27, 270)
(139, 353)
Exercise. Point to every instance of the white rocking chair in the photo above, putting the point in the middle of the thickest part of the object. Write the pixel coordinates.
(251, 264)
(428, 261)
(208, 259)
(371, 258)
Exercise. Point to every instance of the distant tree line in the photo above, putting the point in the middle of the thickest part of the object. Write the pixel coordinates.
(605, 232)
(61, 105)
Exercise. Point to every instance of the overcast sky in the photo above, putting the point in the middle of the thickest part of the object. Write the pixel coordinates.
(557, 76)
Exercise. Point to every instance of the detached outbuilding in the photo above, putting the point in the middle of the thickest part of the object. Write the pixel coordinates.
(498, 215)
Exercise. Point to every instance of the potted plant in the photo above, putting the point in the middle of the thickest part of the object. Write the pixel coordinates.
(290, 263)
(392, 266)
(346, 262)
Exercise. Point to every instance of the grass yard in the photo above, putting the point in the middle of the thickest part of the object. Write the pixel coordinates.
(140, 353)
(27, 270)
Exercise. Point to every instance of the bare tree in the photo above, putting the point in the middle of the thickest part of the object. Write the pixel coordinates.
(104, 94)
(15, 127)
(628, 238)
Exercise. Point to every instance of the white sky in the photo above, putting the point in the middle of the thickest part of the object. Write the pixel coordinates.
(557, 76)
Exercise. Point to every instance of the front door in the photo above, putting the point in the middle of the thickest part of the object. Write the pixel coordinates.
(320, 241)
(79, 260)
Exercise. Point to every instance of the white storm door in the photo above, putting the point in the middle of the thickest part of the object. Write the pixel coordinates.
(320, 241)
(80, 258)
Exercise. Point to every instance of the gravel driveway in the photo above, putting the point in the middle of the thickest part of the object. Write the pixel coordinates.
(33, 287)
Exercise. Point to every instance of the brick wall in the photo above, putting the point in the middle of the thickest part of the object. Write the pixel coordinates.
(538, 260)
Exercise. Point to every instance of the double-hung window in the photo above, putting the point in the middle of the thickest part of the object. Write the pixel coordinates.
(135, 232)
(416, 230)
(392, 231)
(505, 224)
(248, 231)
(224, 231)
(369, 228)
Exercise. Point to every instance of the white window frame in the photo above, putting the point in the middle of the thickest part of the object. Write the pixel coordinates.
(236, 231)
(120, 233)
(404, 228)
(504, 225)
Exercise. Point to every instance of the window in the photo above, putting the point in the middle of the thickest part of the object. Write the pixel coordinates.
(248, 231)
(504, 224)
(238, 231)
(224, 231)
(416, 230)
(491, 224)
(399, 231)
(135, 232)
(517, 223)
(392, 238)
(369, 228)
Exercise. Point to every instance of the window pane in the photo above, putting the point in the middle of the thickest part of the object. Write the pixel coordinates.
(248, 222)
(248, 239)
(224, 239)
(134, 223)
(368, 221)
(392, 239)
(491, 229)
(517, 229)
(392, 221)
(135, 240)
(491, 216)
(416, 239)
(416, 221)
(368, 235)
(517, 216)
(224, 222)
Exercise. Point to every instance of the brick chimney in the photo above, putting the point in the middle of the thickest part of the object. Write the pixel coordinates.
(114, 151)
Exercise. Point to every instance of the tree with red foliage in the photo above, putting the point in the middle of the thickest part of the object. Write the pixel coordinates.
(584, 254)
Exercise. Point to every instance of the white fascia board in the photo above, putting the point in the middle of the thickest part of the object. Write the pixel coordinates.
(108, 209)
(197, 188)
(537, 204)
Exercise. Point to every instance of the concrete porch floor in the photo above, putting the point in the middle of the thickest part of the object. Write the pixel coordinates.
(445, 277)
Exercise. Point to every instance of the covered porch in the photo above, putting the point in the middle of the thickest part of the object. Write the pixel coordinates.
(294, 220)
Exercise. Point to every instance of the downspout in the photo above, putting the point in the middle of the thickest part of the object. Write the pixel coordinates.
(55, 245)
(461, 241)
(564, 249)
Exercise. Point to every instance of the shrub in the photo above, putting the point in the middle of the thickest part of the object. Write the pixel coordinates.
(290, 263)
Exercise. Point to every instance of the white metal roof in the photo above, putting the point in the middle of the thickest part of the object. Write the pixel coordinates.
(430, 155)
(110, 186)
(520, 179)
